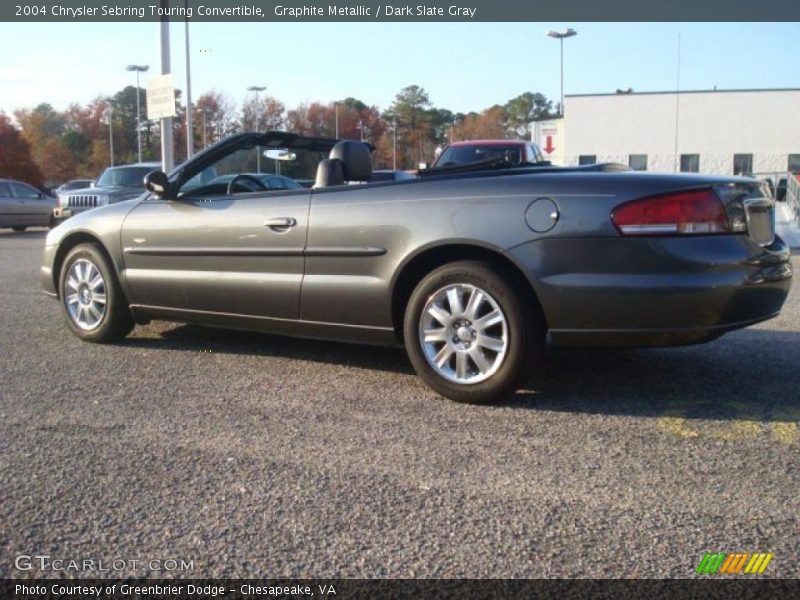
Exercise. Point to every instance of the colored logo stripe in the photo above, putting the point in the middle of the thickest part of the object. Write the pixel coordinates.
(720, 562)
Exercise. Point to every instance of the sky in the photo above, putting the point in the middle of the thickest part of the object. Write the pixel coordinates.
(463, 66)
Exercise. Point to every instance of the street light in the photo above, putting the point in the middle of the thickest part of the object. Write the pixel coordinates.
(110, 109)
(256, 89)
(138, 69)
(560, 35)
(336, 112)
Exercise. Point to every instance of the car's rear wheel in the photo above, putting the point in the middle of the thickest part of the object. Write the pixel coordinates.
(94, 304)
(19, 229)
(470, 334)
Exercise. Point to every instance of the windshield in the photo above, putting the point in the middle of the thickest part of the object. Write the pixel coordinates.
(124, 177)
(251, 162)
(461, 155)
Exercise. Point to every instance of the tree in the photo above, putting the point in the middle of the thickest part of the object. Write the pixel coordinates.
(414, 143)
(526, 108)
(219, 118)
(268, 110)
(16, 161)
(490, 124)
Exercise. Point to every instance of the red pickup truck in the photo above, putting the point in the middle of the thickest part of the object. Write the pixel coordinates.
(514, 151)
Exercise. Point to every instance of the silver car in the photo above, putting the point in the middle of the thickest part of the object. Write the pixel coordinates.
(23, 206)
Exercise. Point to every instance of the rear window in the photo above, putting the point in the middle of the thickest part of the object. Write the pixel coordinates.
(461, 155)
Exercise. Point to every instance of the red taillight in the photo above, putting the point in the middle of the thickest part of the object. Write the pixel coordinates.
(693, 212)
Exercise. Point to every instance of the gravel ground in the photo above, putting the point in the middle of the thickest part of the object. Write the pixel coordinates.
(254, 455)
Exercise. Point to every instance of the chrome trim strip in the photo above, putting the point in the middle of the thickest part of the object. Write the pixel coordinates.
(145, 307)
(345, 251)
(273, 251)
(183, 251)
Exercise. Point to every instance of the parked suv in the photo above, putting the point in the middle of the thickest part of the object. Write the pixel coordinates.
(114, 185)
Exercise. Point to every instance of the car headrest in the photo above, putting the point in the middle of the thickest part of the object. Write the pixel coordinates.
(356, 160)
(329, 172)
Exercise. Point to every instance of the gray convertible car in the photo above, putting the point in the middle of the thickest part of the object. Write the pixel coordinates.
(471, 267)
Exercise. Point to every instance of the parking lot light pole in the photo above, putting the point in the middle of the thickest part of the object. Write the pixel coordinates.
(560, 35)
(256, 89)
(138, 69)
(336, 119)
(111, 131)
(394, 142)
(189, 116)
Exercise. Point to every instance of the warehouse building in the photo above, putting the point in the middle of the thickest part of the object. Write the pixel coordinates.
(710, 131)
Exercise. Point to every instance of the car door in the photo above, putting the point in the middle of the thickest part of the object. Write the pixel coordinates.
(10, 206)
(239, 254)
(34, 206)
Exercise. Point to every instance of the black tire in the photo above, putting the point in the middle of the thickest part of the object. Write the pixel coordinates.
(524, 331)
(116, 321)
(19, 229)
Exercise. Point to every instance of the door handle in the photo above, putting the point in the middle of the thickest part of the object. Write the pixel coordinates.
(280, 223)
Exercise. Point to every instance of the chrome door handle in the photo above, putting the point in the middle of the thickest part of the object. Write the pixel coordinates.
(280, 223)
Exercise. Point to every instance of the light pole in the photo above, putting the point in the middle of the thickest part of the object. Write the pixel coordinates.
(336, 112)
(189, 119)
(204, 128)
(560, 35)
(138, 69)
(394, 142)
(256, 89)
(111, 131)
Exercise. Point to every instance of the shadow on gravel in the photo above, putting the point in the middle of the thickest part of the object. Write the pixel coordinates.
(191, 338)
(749, 375)
(752, 374)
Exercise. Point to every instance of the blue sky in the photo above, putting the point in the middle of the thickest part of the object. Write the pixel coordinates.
(463, 66)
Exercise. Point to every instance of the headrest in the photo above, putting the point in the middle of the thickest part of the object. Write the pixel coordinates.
(356, 160)
(329, 172)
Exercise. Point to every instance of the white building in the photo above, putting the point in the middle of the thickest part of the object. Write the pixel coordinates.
(724, 132)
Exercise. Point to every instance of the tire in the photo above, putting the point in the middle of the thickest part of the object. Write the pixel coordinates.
(19, 229)
(81, 295)
(480, 357)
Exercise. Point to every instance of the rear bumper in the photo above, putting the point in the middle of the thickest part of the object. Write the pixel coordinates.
(655, 291)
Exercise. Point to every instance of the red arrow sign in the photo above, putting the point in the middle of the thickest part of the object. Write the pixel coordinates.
(548, 147)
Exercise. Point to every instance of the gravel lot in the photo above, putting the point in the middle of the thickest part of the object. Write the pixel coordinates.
(255, 455)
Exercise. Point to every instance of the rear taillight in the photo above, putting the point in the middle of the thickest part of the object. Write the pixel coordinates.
(692, 212)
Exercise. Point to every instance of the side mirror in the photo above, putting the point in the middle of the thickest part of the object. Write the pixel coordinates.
(157, 183)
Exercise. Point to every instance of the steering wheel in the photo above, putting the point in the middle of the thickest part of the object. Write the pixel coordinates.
(250, 178)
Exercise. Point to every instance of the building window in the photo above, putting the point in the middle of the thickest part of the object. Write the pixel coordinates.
(794, 163)
(637, 162)
(690, 163)
(742, 164)
(587, 159)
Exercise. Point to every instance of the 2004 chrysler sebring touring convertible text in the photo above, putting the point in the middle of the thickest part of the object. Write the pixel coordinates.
(471, 266)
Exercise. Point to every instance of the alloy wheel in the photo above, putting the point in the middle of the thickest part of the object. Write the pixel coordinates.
(85, 294)
(463, 333)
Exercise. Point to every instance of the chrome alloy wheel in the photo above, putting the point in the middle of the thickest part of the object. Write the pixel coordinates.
(85, 294)
(463, 333)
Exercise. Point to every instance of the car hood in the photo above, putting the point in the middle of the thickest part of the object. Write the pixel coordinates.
(98, 221)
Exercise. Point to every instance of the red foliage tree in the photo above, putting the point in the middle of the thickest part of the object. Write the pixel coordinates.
(16, 161)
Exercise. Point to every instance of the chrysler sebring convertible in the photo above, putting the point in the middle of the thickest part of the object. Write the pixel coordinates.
(471, 267)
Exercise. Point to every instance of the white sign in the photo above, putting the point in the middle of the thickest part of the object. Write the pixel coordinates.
(549, 136)
(160, 97)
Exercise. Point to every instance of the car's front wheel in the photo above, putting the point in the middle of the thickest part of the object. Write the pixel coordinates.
(94, 304)
(470, 334)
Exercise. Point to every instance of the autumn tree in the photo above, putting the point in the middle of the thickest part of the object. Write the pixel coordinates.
(16, 161)
(263, 113)
(524, 109)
